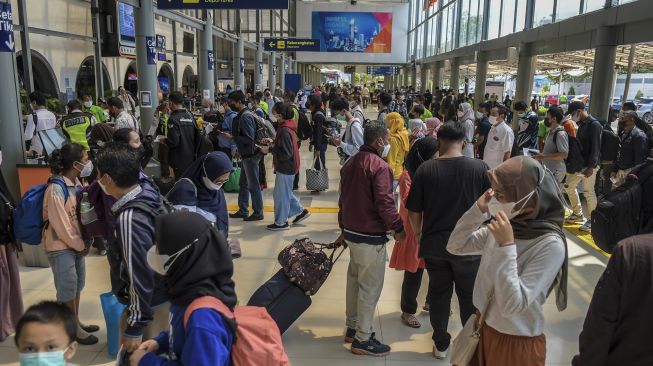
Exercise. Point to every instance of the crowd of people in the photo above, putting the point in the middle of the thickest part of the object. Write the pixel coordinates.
(472, 192)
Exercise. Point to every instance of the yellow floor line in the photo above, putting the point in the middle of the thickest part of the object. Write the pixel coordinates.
(232, 208)
(584, 237)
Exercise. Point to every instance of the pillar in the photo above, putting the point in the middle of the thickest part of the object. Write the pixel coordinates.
(207, 77)
(239, 64)
(28, 78)
(272, 77)
(146, 69)
(413, 76)
(525, 75)
(454, 81)
(258, 68)
(604, 60)
(481, 77)
(437, 74)
(282, 72)
(97, 51)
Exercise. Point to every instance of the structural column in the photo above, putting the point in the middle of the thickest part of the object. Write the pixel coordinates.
(239, 57)
(481, 77)
(207, 57)
(437, 74)
(258, 68)
(282, 72)
(146, 67)
(272, 62)
(413, 75)
(604, 61)
(525, 75)
(454, 81)
(423, 77)
(97, 48)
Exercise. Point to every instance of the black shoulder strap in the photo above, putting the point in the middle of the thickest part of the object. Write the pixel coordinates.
(645, 173)
(35, 119)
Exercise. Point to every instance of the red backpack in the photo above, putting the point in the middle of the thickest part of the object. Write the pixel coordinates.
(257, 342)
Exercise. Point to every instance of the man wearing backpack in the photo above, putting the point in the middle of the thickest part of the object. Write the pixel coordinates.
(184, 136)
(355, 107)
(589, 135)
(133, 281)
(634, 148)
(352, 140)
(243, 131)
(556, 147)
(40, 119)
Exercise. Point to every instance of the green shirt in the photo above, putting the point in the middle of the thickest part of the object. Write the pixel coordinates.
(426, 114)
(264, 106)
(97, 112)
(542, 131)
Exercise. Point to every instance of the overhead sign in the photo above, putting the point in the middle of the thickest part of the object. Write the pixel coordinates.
(211, 59)
(7, 43)
(150, 45)
(160, 42)
(383, 70)
(222, 4)
(292, 44)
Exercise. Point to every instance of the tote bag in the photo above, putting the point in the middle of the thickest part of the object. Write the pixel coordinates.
(317, 180)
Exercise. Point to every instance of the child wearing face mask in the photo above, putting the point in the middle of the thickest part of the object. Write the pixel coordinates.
(62, 237)
(45, 335)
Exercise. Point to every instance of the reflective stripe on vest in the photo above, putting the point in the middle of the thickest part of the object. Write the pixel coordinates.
(76, 126)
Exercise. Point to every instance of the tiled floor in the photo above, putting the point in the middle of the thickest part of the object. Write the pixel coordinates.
(316, 338)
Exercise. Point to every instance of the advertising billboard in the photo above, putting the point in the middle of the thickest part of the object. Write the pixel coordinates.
(126, 25)
(360, 32)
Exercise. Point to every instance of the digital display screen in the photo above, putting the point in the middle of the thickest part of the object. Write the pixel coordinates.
(164, 84)
(126, 25)
(361, 32)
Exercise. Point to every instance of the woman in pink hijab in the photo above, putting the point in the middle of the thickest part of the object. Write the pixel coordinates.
(433, 125)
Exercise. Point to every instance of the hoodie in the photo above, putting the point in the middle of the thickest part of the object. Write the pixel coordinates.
(138, 286)
(285, 150)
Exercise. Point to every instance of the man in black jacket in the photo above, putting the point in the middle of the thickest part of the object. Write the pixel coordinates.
(184, 137)
(137, 286)
(243, 131)
(589, 135)
(318, 140)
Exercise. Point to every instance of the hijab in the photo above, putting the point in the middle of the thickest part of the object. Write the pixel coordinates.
(433, 125)
(468, 112)
(211, 165)
(205, 268)
(395, 123)
(542, 214)
(102, 132)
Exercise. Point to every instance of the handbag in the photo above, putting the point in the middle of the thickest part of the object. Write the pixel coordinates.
(233, 184)
(466, 342)
(317, 180)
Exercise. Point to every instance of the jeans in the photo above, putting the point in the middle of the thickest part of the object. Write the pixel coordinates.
(410, 290)
(249, 185)
(443, 274)
(588, 192)
(69, 272)
(286, 203)
(364, 284)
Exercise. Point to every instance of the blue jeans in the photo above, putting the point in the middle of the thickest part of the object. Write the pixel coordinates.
(286, 203)
(249, 184)
(69, 272)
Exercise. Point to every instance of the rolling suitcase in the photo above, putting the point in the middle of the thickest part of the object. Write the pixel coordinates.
(284, 301)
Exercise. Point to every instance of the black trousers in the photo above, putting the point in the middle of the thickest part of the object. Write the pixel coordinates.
(410, 290)
(444, 273)
(262, 174)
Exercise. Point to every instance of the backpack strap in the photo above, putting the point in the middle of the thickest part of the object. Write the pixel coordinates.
(60, 182)
(207, 302)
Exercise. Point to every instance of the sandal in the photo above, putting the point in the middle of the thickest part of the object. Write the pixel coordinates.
(410, 320)
(427, 307)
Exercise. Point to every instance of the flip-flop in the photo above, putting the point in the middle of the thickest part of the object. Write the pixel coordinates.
(427, 307)
(410, 320)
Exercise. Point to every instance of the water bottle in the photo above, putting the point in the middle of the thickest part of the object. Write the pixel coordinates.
(87, 211)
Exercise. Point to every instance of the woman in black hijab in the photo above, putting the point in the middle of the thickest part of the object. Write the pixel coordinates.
(196, 261)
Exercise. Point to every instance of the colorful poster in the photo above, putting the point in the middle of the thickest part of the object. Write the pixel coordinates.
(362, 32)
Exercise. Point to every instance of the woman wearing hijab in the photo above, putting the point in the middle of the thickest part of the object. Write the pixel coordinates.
(200, 189)
(405, 252)
(433, 125)
(196, 262)
(517, 228)
(466, 116)
(399, 146)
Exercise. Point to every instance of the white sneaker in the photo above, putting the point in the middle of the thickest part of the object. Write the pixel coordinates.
(440, 355)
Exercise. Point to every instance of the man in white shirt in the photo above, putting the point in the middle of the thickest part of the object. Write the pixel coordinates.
(352, 140)
(121, 118)
(499, 139)
(45, 120)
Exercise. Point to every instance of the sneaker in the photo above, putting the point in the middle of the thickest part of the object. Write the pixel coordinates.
(440, 355)
(349, 335)
(88, 340)
(574, 218)
(587, 226)
(301, 217)
(275, 227)
(254, 218)
(238, 215)
(91, 328)
(371, 347)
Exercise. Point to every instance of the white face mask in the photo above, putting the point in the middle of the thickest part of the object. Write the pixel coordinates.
(87, 170)
(494, 206)
(88, 104)
(576, 117)
(54, 358)
(207, 110)
(102, 186)
(161, 263)
(210, 185)
(460, 114)
(479, 115)
(523, 125)
(493, 120)
(386, 151)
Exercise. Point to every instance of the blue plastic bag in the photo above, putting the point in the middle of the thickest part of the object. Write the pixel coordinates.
(112, 310)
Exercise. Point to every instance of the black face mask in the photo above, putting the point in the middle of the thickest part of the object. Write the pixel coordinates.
(141, 151)
(547, 123)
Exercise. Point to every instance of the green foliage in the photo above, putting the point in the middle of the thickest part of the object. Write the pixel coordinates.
(546, 88)
(572, 91)
(639, 94)
(54, 105)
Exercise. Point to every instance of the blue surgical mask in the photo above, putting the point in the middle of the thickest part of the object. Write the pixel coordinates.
(340, 117)
(54, 358)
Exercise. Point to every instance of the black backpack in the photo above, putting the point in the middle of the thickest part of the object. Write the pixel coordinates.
(610, 143)
(648, 130)
(574, 161)
(619, 213)
(304, 127)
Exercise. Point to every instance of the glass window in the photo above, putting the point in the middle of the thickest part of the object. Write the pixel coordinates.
(591, 5)
(543, 12)
(443, 33)
(464, 23)
(493, 29)
(520, 23)
(478, 31)
(410, 43)
(567, 9)
(508, 19)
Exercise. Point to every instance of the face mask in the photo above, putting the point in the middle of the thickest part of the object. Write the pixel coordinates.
(210, 185)
(576, 118)
(141, 151)
(55, 358)
(521, 115)
(87, 170)
(207, 110)
(479, 115)
(88, 104)
(386, 151)
(523, 126)
(494, 206)
(493, 120)
(161, 263)
(547, 123)
(340, 117)
(460, 114)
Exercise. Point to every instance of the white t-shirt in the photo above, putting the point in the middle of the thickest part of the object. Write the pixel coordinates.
(45, 121)
(499, 141)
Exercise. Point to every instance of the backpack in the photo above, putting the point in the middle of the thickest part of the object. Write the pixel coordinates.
(264, 128)
(304, 127)
(618, 214)
(28, 216)
(574, 162)
(648, 130)
(257, 340)
(610, 143)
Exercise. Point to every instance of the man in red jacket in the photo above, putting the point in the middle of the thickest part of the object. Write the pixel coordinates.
(367, 214)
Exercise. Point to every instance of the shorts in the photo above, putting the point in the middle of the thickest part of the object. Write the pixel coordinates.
(69, 270)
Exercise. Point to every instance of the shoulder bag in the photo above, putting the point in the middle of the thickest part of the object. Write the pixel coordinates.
(466, 343)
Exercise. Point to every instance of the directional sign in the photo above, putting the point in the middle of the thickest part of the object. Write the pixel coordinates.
(222, 4)
(383, 70)
(7, 43)
(292, 44)
(150, 45)
(211, 59)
